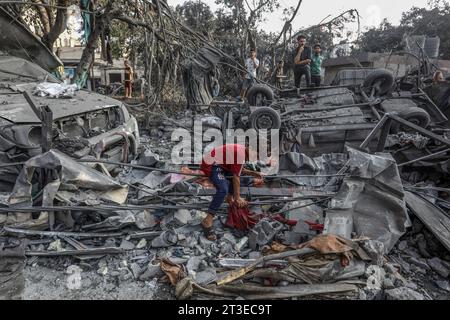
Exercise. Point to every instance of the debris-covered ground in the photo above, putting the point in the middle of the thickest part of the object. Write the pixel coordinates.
(162, 253)
(92, 205)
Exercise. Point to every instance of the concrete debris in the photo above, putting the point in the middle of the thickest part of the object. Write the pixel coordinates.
(55, 246)
(263, 233)
(445, 285)
(165, 239)
(141, 244)
(127, 245)
(403, 293)
(436, 264)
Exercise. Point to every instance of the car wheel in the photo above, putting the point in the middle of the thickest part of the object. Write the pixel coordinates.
(380, 80)
(414, 115)
(265, 118)
(260, 95)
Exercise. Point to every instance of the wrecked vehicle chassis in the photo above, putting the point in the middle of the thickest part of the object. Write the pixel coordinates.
(323, 120)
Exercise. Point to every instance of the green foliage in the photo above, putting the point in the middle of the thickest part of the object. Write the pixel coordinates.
(432, 21)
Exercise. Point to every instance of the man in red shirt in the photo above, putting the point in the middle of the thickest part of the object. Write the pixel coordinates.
(226, 160)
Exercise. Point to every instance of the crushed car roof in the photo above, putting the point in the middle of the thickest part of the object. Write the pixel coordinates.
(14, 107)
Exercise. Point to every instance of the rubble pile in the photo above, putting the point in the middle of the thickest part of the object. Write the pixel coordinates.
(349, 237)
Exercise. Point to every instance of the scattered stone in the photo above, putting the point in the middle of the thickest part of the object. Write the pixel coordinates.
(241, 244)
(404, 265)
(372, 294)
(205, 277)
(402, 245)
(446, 263)
(421, 263)
(183, 216)
(390, 268)
(229, 237)
(55, 246)
(418, 270)
(411, 285)
(226, 248)
(412, 253)
(145, 220)
(125, 276)
(135, 270)
(193, 264)
(417, 226)
(123, 264)
(422, 245)
(263, 232)
(103, 270)
(375, 277)
(438, 267)
(110, 242)
(254, 255)
(142, 244)
(199, 249)
(445, 285)
(375, 250)
(403, 293)
(152, 271)
(165, 239)
(148, 158)
(127, 245)
(388, 283)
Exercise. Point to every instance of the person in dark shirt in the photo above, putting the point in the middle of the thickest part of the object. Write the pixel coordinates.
(302, 62)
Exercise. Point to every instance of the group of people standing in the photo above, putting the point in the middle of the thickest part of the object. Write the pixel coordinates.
(307, 62)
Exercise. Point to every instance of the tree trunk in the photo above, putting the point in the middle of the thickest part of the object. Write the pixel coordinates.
(101, 21)
(58, 27)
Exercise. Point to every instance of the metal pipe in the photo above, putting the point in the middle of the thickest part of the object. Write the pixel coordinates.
(424, 157)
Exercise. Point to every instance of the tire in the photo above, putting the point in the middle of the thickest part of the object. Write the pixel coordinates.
(257, 91)
(381, 77)
(265, 118)
(415, 115)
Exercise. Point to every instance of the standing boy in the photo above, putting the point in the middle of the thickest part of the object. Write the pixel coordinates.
(251, 65)
(316, 65)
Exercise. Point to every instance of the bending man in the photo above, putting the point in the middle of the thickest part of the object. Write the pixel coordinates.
(222, 162)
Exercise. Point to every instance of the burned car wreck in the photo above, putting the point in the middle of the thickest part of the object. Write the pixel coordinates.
(325, 119)
(85, 124)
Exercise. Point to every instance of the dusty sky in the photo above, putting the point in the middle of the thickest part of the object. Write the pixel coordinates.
(313, 11)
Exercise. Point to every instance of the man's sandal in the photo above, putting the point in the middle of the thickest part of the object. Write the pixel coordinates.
(209, 233)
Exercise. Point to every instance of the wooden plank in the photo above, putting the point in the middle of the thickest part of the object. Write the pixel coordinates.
(431, 216)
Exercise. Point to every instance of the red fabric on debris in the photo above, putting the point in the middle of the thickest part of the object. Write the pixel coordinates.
(315, 226)
(240, 218)
(283, 220)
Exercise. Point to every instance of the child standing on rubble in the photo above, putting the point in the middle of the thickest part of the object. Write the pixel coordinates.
(226, 161)
(316, 66)
(251, 65)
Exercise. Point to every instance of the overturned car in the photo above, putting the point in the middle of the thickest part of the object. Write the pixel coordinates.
(325, 119)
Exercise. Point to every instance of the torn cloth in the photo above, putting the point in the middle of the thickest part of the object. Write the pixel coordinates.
(240, 218)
